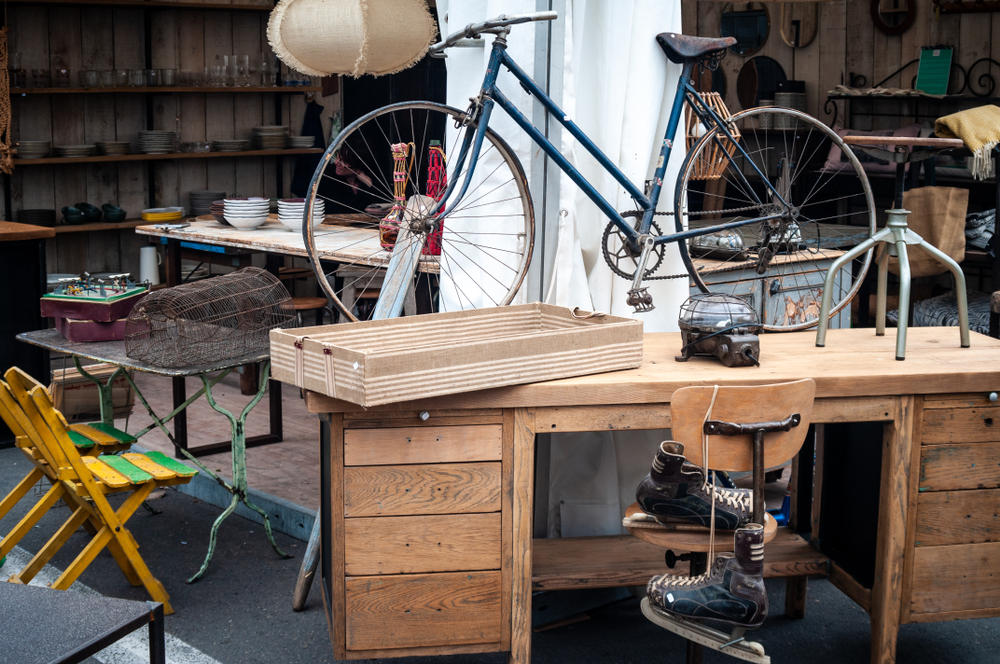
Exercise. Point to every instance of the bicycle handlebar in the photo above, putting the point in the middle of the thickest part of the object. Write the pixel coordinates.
(473, 30)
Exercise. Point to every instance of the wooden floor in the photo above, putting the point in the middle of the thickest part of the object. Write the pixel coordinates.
(287, 469)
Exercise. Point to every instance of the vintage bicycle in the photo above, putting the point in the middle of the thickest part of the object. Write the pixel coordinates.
(431, 211)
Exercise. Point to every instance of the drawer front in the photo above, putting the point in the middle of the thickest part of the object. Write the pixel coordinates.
(421, 610)
(412, 544)
(961, 425)
(960, 466)
(963, 577)
(453, 488)
(431, 444)
(958, 517)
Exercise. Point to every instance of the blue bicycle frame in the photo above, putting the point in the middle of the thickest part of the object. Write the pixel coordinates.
(490, 95)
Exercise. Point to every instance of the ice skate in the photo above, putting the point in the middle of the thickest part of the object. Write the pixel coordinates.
(730, 593)
(676, 491)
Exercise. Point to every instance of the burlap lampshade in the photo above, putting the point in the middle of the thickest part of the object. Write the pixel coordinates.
(352, 37)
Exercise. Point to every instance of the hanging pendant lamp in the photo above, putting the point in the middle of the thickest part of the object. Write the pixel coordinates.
(352, 37)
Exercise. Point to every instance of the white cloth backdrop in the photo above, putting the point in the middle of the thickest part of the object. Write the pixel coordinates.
(617, 85)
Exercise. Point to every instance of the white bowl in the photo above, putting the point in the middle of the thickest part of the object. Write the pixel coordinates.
(245, 223)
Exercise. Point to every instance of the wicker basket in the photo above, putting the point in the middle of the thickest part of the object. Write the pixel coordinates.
(712, 162)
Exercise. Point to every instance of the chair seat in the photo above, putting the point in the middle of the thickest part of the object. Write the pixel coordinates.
(684, 48)
(684, 537)
(308, 303)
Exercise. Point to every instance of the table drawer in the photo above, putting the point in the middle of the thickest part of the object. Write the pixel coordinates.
(959, 466)
(979, 424)
(421, 610)
(411, 544)
(958, 517)
(963, 577)
(452, 488)
(430, 444)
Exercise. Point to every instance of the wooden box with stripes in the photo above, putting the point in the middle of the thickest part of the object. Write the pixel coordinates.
(385, 361)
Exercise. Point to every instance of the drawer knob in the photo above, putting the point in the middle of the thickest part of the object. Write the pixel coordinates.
(424, 415)
(993, 396)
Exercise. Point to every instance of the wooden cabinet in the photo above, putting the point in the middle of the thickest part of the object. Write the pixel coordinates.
(419, 532)
(954, 569)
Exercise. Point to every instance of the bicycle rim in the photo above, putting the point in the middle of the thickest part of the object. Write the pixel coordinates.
(391, 167)
(778, 265)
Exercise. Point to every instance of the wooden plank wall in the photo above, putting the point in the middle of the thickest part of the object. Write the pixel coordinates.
(96, 37)
(848, 44)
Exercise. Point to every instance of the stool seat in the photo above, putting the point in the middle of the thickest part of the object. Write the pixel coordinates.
(684, 537)
(308, 303)
(289, 273)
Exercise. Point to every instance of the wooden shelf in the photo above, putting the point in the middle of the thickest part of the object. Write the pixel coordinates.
(99, 159)
(622, 560)
(278, 89)
(101, 226)
(157, 4)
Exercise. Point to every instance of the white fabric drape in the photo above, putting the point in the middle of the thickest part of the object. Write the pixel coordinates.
(617, 86)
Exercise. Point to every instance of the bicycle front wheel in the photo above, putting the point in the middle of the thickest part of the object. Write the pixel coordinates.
(810, 212)
(392, 167)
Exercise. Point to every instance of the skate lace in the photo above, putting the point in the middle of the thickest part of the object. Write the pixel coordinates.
(684, 581)
(731, 497)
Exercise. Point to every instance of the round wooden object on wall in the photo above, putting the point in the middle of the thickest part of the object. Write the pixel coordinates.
(797, 22)
(748, 22)
(758, 79)
(684, 537)
(893, 18)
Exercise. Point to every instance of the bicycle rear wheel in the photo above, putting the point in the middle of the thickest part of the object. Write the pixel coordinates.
(391, 167)
(777, 265)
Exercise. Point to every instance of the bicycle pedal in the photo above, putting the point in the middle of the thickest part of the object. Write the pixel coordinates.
(640, 300)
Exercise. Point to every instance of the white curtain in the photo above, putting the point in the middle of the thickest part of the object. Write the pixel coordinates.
(617, 86)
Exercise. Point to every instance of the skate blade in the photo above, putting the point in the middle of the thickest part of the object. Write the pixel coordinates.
(748, 651)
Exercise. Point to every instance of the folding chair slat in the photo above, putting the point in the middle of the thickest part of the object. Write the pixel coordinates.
(134, 473)
(120, 436)
(82, 442)
(106, 474)
(100, 437)
(144, 463)
(171, 464)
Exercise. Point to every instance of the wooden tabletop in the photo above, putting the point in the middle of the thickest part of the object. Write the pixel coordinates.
(907, 141)
(854, 363)
(14, 232)
(345, 243)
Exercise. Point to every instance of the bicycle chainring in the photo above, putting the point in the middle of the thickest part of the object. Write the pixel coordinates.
(620, 258)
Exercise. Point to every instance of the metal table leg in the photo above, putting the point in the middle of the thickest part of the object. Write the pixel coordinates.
(103, 389)
(239, 487)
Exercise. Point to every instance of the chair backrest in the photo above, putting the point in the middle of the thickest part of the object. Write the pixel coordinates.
(743, 405)
(20, 423)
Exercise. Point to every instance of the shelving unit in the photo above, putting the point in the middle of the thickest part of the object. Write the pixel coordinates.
(163, 89)
(156, 4)
(99, 159)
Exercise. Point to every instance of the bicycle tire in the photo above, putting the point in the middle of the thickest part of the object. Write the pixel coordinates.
(787, 289)
(486, 243)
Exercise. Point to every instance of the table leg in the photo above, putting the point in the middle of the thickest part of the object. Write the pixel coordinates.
(103, 389)
(523, 510)
(237, 425)
(893, 502)
(157, 637)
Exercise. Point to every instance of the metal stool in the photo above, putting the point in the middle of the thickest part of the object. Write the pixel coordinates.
(302, 304)
(896, 235)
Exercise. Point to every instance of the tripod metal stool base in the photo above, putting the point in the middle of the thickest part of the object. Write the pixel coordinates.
(896, 235)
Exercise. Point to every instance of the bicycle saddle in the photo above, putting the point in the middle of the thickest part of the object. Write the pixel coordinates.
(683, 48)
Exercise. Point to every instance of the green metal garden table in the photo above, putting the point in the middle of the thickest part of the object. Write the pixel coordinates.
(113, 352)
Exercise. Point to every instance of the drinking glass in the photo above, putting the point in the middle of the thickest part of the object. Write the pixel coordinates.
(153, 78)
(106, 78)
(242, 70)
(137, 77)
(121, 78)
(168, 77)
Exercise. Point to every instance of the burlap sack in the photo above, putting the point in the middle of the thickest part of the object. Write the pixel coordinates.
(937, 214)
(352, 37)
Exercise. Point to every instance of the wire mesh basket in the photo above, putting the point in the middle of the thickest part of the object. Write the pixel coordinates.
(207, 321)
(712, 162)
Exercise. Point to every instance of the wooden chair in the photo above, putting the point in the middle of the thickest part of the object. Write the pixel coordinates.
(90, 440)
(714, 411)
(86, 481)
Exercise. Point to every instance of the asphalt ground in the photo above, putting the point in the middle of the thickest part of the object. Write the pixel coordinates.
(240, 611)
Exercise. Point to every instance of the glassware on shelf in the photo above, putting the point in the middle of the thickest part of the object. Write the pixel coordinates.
(242, 69)
(18, 75)
(265, 69)
(121, 78)
(61, 74)
(106, 78)
(89, 78)
(41, 78)
(137, 78)
(168, 77)
(153, 78)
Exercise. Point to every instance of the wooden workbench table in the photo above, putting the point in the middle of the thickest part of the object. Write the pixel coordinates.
(427, 542)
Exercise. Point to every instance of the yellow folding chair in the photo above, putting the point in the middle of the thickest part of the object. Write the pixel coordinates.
(86, 481)
(90, 439)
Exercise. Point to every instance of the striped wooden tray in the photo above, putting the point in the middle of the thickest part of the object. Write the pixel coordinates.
(386, 361)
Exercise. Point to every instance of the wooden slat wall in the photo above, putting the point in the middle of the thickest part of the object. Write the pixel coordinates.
(847, 43)
(100, 38)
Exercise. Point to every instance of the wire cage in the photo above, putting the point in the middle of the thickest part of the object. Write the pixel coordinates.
(208, 321)
(719, 325)
(712, 162)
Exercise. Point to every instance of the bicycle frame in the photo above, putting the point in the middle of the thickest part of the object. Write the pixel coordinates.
(489, 95)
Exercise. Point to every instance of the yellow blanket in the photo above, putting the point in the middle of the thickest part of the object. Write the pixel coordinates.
(980, 129)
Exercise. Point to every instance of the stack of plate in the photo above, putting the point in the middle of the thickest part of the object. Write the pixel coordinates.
(33, 149)
(271, 137)
(155, 141)
(290, 212)
(230, 145)
(201, 201)
(162, 214)
(301, 141)
(246, 213)
(217, 210)
(113, 147)
(75, 150)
